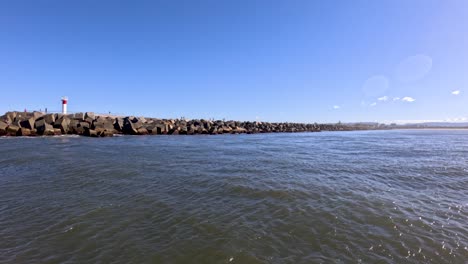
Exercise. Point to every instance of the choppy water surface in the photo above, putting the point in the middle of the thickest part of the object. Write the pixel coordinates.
(330, 197)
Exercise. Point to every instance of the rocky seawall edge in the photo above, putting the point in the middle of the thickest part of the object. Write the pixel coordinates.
(88, 124)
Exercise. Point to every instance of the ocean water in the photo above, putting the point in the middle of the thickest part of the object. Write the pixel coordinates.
(332, 197)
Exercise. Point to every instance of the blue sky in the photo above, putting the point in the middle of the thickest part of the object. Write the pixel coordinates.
(301, 61)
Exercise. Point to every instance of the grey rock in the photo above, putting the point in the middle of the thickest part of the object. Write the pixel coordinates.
(89, 120)
(44, 128)
(161, 129)
(142, 119)
(91, 133)
(152, 130)
(37, 115)
(21, 116)
(105, 133)
(39, 125)
(10, 116)
(16, 122)
(119, 124)
(63, 123)
(3, 128)
(174, 132)
(79, 116)
(13, 130)
(103, 123)
(128, 127)
(49, 119)
(131, 125)
(90, 115)
(84, 125)
(142, 131)
(137, 123)
(28, 123)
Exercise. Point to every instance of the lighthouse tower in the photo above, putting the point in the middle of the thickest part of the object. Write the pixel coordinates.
(64, 105)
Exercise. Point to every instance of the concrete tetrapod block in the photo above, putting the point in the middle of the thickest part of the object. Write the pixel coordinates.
(3, 128)
(142, 131)
(119, 124)
(63, 124)
(29, 123)
(91, 133)
(10, 116)
(103, 123)
(40, 125)
(43, 128)
(24, 132)
(79, 116)
(90, 115)
(37, 115)
(13, 130)
(49, 119)
(131, 127)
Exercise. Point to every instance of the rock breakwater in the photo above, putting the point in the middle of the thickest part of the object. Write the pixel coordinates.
(89, 124)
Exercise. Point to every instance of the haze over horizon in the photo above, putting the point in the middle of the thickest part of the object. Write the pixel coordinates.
(297, 61)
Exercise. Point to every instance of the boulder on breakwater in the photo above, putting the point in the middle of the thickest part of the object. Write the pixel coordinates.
(93, 125)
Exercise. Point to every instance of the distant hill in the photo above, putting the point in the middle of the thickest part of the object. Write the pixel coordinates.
(437, 124)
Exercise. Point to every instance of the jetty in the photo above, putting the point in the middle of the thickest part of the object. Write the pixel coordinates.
(17, 123)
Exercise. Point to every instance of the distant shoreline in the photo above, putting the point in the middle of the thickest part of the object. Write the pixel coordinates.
(429, 128)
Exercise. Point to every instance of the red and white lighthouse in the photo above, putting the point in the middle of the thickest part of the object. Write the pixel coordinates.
(64, 105)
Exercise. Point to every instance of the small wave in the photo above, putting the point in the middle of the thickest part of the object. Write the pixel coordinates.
(379, 200)
(285, 194)
(64, 136)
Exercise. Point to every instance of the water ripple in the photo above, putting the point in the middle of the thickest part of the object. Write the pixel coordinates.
(331, 197)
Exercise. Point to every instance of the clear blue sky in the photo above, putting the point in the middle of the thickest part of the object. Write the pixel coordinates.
(303, 61)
